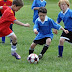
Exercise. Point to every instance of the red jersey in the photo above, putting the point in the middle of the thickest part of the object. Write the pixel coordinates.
(5, 21)
(6, 3)
(4, 8)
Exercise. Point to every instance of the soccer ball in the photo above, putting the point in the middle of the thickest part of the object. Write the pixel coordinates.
(33, 58)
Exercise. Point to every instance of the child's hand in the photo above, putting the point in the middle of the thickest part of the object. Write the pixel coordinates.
(35, 31)
(27, 25)
(66, 31)
(55, 31)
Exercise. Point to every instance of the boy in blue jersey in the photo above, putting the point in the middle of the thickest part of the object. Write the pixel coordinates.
(66, 16)
(35, 6)
(43, 28)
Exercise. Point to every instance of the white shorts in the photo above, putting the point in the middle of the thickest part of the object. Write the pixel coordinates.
(10, 34)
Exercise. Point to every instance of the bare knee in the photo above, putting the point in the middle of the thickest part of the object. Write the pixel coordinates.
(33, 45)
(48, 41)
(61, 41)
(13, 38)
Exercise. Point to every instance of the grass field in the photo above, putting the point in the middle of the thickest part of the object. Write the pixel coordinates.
(50, 62)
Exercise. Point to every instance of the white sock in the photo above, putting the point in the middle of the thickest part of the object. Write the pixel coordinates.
(13, 48)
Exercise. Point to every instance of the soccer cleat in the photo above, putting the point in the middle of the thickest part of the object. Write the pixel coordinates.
(40, 56)
(3, 42)
(59, 56)
(16, 55)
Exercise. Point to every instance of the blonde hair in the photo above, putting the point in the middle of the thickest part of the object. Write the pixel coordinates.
(61, 1)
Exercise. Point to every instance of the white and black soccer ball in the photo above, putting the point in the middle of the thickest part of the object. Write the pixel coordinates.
(33, 58)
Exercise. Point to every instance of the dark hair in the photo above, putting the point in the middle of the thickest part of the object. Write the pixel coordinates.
(42, 10)
(18, 2)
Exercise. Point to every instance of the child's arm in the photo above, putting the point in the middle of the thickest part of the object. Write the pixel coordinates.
(35, 31)
(36, 8)
(55, 30)
(22, 24)
(34, 5)
(35, 28)
(61, 28)
(66, 31)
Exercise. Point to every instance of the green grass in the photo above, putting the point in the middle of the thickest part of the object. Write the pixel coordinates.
(50, 62)
(28, 2)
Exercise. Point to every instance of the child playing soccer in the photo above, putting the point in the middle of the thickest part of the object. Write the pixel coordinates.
(43, 28)
(66, 16)
(5, 21)
(35, 6)
(5, 3)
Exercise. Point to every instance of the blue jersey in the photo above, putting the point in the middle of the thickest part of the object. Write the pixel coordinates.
(45, 28)
(66, 18)
(37, 3)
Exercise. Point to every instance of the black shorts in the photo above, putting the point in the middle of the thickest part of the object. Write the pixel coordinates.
(67, 37)
(41, 41)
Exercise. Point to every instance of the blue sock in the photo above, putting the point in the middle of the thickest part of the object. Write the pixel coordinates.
(60, 50)
(3, 39)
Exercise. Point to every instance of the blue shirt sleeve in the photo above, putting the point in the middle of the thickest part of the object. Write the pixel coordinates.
(55, 25)
(58, 18)
(37, 3)
(33, 5)
(71, 13)
(45, 3)
(36, 26)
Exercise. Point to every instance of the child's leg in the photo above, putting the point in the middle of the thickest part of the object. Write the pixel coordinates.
(60, 47)
(60, 50)
(10, 41)
(11, 27)
(31, 49)
(48, 41)
(12, 30)
(3, 39)
(13, 46)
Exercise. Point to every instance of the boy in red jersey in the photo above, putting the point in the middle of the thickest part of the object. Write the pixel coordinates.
(5, 3)
(5, 21)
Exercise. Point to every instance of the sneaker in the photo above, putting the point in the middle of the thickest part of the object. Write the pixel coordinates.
(16, 55)
(3, 42)
(59, 56)
(40, 56)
